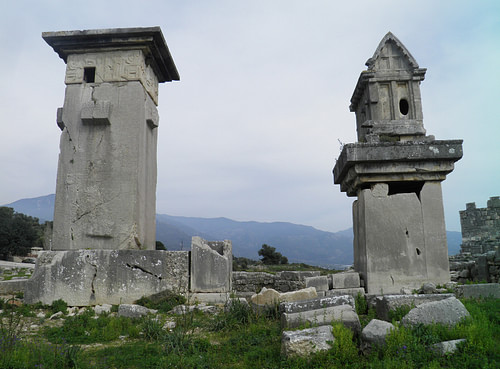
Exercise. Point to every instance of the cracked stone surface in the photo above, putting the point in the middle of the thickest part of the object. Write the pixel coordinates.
(94, 277)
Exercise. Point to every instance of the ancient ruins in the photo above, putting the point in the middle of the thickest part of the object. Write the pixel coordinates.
(481, 227)
(395, 171)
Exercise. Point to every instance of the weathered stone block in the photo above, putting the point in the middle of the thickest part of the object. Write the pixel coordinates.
(134, 311)
(346, 291)
(319, 282)
(478, 290)
(211, 265)
(306, 341)
(297, 275)
(386, 303)
(449, 312)
(325, 316)
(447, 347)
(317, 303)
(94, 277)
(376, 331)
(345, 280)
(269, 297)
(12, 286)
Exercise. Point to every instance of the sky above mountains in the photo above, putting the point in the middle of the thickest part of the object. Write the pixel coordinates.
(252, 130)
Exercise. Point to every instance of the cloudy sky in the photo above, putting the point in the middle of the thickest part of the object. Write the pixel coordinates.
(252, 130)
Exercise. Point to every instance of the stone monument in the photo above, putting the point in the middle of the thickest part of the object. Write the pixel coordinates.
(104, 222)
(106, 180)
(395, 170)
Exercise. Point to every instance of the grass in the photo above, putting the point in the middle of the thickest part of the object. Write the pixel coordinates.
(237, 338)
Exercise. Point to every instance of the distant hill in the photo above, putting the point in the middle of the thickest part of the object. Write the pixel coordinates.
(299, 243)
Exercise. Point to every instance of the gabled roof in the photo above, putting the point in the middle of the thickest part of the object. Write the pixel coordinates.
(389, 37)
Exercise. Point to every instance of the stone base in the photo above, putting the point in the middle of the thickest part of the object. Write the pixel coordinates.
(94, 277)
(209, 298)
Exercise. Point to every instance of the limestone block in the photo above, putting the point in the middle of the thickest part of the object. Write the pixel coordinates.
(210, 297)
(104, 308)
(376, 331)
(306, 341)
(479, 290)
(270, 297)
(386, 303)
(345, 280)
(12, 286)
(449, 312)
(346, 291)
(447, 347)
(320, 282)
(211, 265)
(94, 277)
(317, 303)
(134, 311)
(325, 316)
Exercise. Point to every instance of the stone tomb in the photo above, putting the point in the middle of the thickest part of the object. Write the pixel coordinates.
(106, 178)
(104, 220)
(395, 170)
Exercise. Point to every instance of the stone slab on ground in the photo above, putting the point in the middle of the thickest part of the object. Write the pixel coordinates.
(478, 290)
(94, 277)
(317, 303)
(319, 282)
(134, 311)
(12, 286)
(386, 303)
(346, 291)
(447, 347)
(345, 280)
(269, 297)
(325, 316)
(449, 312)
(306, 341)
(376, 331)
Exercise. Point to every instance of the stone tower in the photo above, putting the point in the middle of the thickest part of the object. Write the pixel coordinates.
(395, 171)
(106, 181)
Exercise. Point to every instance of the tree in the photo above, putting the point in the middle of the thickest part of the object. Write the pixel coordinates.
(270, 256)
(18, 233)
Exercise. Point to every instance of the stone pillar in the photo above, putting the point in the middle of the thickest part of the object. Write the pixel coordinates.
(395, 171)
(106, 181)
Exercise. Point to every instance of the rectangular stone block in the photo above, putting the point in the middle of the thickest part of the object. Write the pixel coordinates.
(317, 303)
(297, 275)
(12, 286)
(320, 282)
(325, 316)
(211, 265)
(346, 291)
(345, 280)
(479, 290)
(384, 304)
(94, 277)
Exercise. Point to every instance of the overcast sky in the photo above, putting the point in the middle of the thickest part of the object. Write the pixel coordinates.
(252, 130)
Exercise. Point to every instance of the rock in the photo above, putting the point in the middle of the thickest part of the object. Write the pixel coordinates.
(57, 315)
(464, 273)
(325, 316)
(40, 315)
(376, 331)
(134, 311)
(447, 347)
(319, 282)
(428, 288)
(317, 303)
(406, 291)
(104, 308)
(449, 312)
(270, 297)
(169, 325)
(386, 303)
(184, 309)
(306, 341)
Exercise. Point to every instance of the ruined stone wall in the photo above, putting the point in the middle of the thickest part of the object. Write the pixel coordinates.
(479, 268)
(252, 282)
(481, 227)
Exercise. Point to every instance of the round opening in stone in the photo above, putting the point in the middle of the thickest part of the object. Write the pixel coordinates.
(404, 107)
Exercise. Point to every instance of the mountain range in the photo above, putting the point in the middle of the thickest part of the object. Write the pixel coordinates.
(299, 243)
